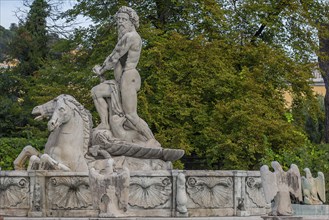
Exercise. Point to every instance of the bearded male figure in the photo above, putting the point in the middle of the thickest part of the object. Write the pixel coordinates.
(122, 92)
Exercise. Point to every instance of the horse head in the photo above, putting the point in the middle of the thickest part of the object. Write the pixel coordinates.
(63, 112)
(70, 126)
(59, 110)
(44, 111)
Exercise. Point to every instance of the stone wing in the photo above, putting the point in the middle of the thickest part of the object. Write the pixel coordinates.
(269, 183)
(320, 186)
(306, 183)
(294, 182)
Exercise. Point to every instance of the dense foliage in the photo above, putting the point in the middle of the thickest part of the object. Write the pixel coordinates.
(5, 37)
(214, 76)
(11, 147)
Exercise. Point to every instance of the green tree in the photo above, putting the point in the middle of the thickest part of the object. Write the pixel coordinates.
(214, 73)
(324, 68)
(30, 44)
(5, 37)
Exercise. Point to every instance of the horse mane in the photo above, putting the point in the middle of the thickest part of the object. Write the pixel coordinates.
(86, 118)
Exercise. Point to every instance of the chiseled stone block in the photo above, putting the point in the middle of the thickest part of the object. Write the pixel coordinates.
(315, 210)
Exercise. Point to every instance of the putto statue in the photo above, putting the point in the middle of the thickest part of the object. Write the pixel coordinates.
(116, 100)
(278, 186)
(314, 192)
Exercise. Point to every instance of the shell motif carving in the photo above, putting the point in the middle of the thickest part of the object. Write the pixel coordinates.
(146, 192)
(69, 193)
(255, 192)
(13, 191)
(211, 192)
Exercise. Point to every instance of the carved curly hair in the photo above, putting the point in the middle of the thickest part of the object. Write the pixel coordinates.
(133, 17)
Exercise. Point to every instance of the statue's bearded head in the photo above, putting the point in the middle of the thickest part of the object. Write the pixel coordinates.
(127, 20)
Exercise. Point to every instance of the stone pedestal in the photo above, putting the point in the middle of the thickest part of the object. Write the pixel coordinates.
(156, 193)
(242, 213)
(282, 217)
(311, 210)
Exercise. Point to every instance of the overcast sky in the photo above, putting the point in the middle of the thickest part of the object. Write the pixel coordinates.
(7, 15)
(8, 8)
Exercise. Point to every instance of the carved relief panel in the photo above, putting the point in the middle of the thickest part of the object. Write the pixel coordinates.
(150, 192)
(69, 193)
(210, 192)
(254, 193)
(14, 192)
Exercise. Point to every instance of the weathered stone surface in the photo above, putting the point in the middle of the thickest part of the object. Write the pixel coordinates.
(109, 187)
(14, 193)
(105, 147)
(210, 192)
(311, 210)
(282, 217)
(121, 131)
(150, 192)
(157, 193)
(68, 193)
(279, 185)
(314, 191)
(254, 192)
(237, 191)
(70, 132)
(181, 197)
(143, 218)
(119, 114)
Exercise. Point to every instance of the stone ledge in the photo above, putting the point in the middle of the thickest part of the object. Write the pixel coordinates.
(312, 210)
(146, 218)
(282, 217)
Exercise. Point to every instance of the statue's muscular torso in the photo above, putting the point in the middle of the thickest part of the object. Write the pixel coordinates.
(125, 55)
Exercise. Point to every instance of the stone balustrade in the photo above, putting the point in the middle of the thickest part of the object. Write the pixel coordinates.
(151, 194)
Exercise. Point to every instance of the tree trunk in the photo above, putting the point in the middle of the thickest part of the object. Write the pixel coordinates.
(324, 68)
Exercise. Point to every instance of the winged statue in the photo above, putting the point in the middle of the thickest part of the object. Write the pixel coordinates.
(280, 187)
(314, 192)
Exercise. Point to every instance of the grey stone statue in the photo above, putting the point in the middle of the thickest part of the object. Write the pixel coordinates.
(116, 100)
(70, 127)
(110, 187)
(121, 131)
(278, 186)
(314, 192)
(181, 197)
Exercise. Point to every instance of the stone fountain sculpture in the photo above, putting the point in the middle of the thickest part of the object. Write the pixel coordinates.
(70, 128)
(117, 169)
(122, 131)
(121, 143)
(278, 186)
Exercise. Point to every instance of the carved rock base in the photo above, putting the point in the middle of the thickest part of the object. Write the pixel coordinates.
(136, 164)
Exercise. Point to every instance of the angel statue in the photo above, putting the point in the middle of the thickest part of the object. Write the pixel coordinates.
(313, 188)
(279, 185)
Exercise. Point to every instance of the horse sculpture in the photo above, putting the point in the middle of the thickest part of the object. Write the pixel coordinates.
(70, 127)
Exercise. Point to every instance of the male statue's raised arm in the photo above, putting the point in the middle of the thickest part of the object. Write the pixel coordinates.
(123, 60)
